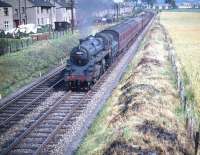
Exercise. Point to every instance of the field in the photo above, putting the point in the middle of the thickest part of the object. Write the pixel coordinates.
(184, 29)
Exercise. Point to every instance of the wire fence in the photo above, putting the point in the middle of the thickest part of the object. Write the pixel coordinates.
(188, 106)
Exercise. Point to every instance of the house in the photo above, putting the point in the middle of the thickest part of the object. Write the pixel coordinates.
(38, 12)
(6, 16)
(185, 5)
(63, 11)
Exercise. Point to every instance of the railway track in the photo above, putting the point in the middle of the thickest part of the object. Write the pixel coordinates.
(52, 124)
(17, 107)
(46, 130)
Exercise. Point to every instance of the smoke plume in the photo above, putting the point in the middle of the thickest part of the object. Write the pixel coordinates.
(85, 11)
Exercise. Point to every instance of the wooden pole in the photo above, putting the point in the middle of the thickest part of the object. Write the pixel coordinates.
(25, 13)
(196, 142)
(19, 12)
(72, 15)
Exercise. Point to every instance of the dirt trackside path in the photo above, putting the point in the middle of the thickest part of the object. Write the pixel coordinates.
(143, 116)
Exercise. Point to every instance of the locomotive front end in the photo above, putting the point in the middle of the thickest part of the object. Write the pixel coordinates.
(78, 70)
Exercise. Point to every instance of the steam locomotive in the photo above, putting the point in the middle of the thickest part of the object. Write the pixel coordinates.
(93, 56)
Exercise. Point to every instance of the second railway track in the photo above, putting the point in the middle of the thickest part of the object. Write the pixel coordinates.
(57, 118)
(17, 107)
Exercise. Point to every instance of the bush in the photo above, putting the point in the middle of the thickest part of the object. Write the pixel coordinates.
(44, 29)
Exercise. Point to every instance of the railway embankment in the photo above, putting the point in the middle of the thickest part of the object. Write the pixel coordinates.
(144, 114)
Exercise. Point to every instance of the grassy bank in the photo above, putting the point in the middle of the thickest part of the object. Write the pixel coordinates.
(184, 29)
(20, 68)
(142, 115)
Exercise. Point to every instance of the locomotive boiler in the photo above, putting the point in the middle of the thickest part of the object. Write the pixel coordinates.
(94, 54)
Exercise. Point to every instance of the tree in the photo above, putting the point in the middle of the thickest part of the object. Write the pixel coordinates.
(171, 2)
(150, 2)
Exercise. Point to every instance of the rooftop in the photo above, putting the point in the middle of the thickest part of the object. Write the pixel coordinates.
(41, 3)
(4, 4)
(63, 3)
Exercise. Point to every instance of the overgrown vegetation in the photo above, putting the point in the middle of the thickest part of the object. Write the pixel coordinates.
(184, 28)
(18, 69)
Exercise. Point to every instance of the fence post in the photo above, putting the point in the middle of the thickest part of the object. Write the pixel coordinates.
(184, 103)
(196, 142)
(22, 46)
(186, 121)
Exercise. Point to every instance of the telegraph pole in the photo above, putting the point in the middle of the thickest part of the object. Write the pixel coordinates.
(20, 12)
(72, 16)
(116, 8)
(25, 13)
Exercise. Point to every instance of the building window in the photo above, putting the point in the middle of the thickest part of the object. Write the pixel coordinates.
(6, 25)
(16, 11)
(23, 10)
(42, 21)
(38, 21)
(38, 10)
(41, 10)
(5, 11)
(23, 20)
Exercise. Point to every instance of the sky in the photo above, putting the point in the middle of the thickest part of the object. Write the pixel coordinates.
(118, 1)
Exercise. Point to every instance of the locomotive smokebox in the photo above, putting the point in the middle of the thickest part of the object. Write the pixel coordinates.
(81, 41)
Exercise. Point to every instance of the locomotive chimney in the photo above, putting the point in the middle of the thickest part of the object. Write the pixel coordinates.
(81, 40)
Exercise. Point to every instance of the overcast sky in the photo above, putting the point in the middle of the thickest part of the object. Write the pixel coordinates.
(118, 0)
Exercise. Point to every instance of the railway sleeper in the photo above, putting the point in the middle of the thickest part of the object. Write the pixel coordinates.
(69, 104)
(58, 115)
(53, 122)
(63, 109)
(38, 135)
(50, 119)
(66, 126)
(45, 126)
(5, 115)
(20, 152)
(27, 146)
(13, 107)
(44, 130)
(73, 118)
(34, 140)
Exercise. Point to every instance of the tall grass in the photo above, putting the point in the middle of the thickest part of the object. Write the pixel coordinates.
(184, 28)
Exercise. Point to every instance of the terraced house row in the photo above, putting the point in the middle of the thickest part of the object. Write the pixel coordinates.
(39, 12)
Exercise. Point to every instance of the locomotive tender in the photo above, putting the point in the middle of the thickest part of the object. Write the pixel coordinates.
(91, 58)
